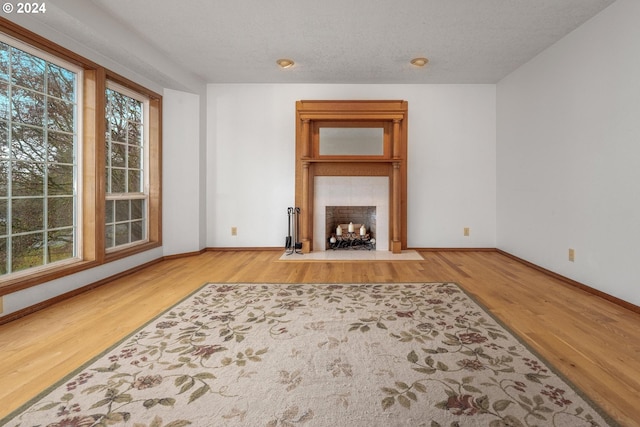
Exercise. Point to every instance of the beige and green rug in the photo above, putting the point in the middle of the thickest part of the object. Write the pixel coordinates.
(317, 355)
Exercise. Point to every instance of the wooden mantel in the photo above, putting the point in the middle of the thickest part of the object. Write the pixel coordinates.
(389, 115)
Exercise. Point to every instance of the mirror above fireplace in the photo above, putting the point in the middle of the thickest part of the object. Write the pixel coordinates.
(351, 141)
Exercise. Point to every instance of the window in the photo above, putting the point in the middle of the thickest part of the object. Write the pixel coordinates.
(126, 182)
(39, 122)
(80, 162)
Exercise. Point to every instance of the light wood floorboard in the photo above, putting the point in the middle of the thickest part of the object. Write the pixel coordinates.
(593, 342)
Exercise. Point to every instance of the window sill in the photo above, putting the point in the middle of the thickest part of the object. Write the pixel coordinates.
(130, 250)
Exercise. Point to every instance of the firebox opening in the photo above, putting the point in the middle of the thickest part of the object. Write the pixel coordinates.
(343, 216)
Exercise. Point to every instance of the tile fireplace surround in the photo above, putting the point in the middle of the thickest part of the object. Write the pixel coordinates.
(351, 191)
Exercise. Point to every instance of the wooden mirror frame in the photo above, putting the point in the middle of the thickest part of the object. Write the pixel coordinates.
(392, 115)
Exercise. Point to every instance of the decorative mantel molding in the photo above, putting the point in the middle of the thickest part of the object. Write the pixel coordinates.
(392, 117)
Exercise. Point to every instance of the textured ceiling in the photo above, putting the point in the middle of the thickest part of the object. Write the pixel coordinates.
(344, 41)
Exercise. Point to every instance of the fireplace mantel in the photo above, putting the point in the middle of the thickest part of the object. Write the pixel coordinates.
(389, 115)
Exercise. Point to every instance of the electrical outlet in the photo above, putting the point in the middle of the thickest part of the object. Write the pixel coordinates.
(234, 231)
(572, 255)
(466, 231)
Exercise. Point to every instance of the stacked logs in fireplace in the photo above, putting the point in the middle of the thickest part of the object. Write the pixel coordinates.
(351, 236)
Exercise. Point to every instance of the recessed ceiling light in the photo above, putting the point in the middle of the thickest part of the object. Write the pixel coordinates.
(419, 62)
(285, 63)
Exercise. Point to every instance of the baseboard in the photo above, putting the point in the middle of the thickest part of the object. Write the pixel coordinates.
(242, 248)
(576, 284)
(281, 248)
(184, 255)
(453, 249)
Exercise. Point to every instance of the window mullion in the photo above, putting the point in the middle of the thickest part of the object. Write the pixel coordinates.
(9, 212)
(45, 191)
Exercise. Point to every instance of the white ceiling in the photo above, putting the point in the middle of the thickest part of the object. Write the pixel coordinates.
(340, 41)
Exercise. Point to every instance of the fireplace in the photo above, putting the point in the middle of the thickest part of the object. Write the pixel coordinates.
(386, 165)
(357, 217)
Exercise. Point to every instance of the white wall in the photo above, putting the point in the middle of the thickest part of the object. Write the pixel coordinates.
(181, 172)
(568, 151)
(251, 160)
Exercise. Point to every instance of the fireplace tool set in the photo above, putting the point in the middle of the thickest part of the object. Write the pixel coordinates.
(292, 242)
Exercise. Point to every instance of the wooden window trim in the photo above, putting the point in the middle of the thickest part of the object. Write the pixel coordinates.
(92, 253)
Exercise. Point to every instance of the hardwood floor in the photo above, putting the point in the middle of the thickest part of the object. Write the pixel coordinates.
(593, 342)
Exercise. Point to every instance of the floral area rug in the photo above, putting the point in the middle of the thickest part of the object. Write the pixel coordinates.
(352, 355)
